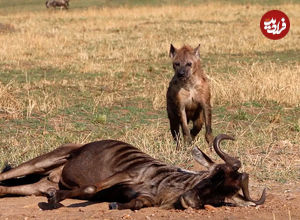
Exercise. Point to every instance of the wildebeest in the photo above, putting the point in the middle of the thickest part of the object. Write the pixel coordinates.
(119, 173)
(57, 3)
(188, 95)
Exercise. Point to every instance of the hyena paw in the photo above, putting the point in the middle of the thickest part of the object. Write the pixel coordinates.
(188, 139)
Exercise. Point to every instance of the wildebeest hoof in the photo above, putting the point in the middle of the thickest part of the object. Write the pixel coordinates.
(50, 192)
(51, 196)
(113, 205)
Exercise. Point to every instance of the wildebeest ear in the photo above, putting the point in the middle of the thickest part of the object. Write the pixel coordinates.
(173, 51)
(202, 158)
(196, 51)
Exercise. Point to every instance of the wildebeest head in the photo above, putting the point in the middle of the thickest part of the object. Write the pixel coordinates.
(222, 180)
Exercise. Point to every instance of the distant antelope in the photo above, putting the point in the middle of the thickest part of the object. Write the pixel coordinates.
(57, 3)
(117, 172)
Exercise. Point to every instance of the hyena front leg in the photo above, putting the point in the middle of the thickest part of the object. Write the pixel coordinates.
(197, 125)
(184, 125)
(174, 127)
(207, 119)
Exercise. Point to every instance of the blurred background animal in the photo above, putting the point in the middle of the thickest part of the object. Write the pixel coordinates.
(57, 3)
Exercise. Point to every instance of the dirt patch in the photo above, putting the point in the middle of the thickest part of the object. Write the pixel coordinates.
(282, 203)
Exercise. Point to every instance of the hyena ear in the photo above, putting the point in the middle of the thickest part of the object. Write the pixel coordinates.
(202, 158)
(173, 51)
(196, 51)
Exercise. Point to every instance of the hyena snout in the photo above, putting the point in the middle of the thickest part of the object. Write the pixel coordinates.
(182, 72)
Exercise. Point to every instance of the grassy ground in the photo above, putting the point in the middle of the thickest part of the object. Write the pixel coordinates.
(97, 73)
(15, 6)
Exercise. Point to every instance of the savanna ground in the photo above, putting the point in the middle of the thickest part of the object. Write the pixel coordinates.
(101, 69)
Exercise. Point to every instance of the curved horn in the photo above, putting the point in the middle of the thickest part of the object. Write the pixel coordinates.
(245, 189)
(235, 163)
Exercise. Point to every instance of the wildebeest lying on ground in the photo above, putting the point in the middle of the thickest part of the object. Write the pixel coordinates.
(119, 173)
(57, 3)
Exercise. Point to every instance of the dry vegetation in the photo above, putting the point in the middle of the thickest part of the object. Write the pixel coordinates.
(83, 75)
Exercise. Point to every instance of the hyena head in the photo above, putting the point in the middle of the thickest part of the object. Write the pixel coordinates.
(185, 60)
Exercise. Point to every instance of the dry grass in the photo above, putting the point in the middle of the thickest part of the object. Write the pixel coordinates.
(267, 81)
(9, 105)
(82, 75)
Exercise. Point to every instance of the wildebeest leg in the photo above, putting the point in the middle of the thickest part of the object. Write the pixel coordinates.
(43, 163)
(134, 204)
(197, 125)
(117, 178)
(55, 196)
(38, 188)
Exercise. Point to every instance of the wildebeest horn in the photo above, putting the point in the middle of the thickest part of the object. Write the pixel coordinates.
(235, 163)
(245, 189)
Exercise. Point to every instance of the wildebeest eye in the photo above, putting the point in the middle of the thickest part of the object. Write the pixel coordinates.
(188, 64)
(176, 64)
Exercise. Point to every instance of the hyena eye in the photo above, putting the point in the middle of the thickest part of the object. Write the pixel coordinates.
(176, 64)
(189, 64)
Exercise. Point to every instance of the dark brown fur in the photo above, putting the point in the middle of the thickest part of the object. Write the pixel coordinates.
(188, 95)
(115, 171)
